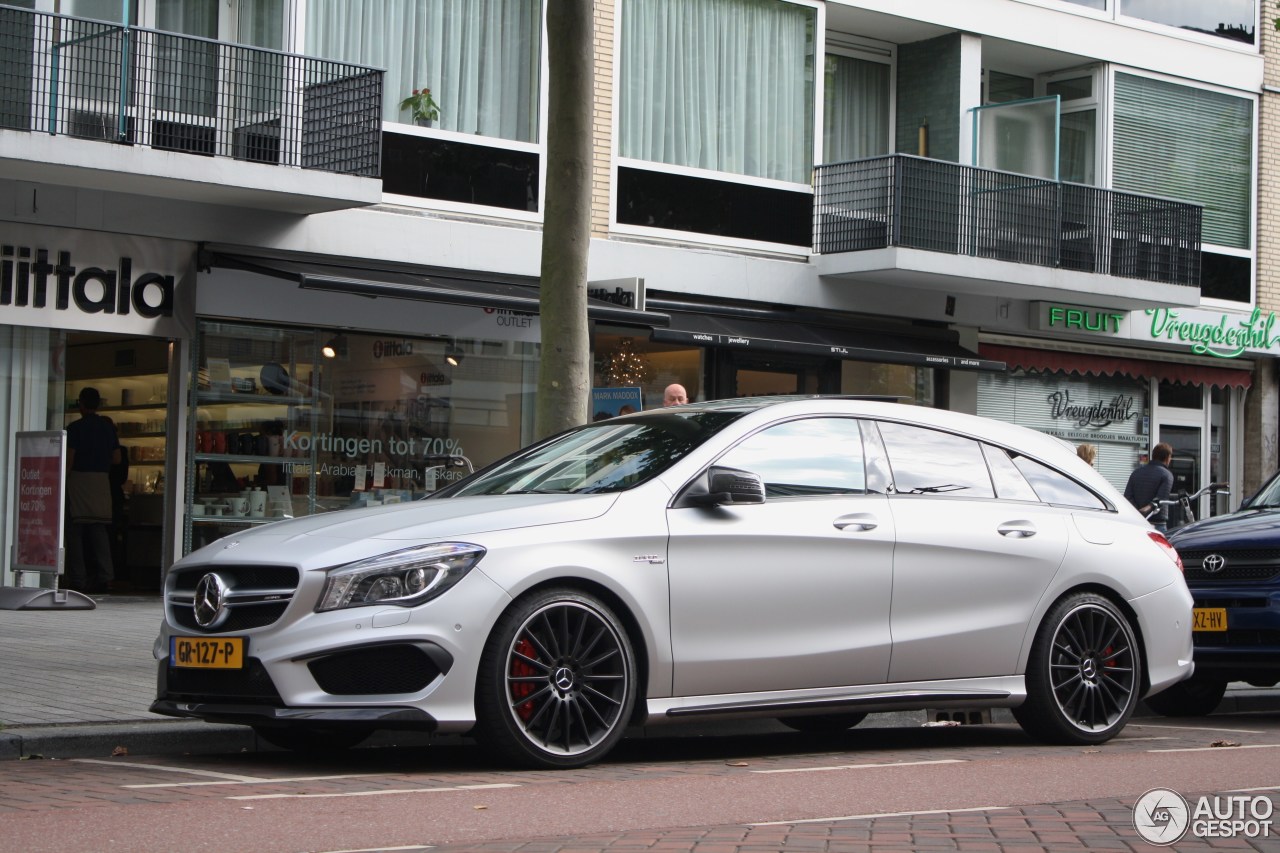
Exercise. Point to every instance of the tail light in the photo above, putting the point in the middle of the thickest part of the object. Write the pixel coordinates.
(1158, 538)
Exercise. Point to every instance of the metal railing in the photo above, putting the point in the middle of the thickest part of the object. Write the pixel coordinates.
(95, 80)
(913, 202)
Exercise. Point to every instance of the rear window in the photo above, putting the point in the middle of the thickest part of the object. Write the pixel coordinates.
(1053, 487)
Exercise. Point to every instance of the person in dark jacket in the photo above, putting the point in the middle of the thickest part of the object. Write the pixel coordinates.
(92, 448)
(1150, 484)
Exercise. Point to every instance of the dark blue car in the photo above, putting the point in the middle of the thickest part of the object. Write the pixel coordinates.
(1232, 565)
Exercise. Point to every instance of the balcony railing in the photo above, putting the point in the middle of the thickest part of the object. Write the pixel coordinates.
(94, 80)
(917, 203)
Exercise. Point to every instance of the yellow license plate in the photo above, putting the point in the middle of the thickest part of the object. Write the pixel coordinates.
(1209, 619)
(206, 652)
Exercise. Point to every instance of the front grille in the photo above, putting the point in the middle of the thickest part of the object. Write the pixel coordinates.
(250, 685)
(242, 618)
(270, 589)
(1246, 565)
(393, 668)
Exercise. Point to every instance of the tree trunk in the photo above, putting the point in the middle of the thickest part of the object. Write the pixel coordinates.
(564, 371)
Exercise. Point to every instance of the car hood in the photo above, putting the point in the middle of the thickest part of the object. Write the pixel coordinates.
(1243, 529)
(353, 533)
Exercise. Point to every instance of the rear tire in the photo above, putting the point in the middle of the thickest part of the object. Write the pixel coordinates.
(1195, 697)
(1083, 675)
(557, 681)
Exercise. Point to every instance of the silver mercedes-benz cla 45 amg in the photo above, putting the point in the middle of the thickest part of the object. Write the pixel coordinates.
(810, 559)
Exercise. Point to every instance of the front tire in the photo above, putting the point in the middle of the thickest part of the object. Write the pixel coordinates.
(557, 681)
(1084, 673)
(1195, 697)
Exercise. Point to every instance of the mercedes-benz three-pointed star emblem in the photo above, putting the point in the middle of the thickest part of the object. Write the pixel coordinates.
(211, 593)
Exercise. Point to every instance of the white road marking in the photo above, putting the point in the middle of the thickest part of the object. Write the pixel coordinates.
(862, 766)
(381, 849)
(375, 793)
(252, 781)
(881, 814)
(1219, 748)
(194, 772)
(1195, 728)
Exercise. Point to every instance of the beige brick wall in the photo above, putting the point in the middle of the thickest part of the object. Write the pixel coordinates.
(1268, 249)
(603, 117)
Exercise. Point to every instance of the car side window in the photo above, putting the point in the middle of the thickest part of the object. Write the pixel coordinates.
(932, 462)
(813, 456)
(1053, 487)
(1010, 484)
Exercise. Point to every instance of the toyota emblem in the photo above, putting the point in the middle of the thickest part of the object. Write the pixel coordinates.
(1213, 563)
(211, 594)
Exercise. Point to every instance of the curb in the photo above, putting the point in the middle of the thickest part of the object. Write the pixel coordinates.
(106, 740)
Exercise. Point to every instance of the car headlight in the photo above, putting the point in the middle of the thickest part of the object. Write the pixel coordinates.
(406, 578)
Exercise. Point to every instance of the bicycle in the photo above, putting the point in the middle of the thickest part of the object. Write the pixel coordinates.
(1186, 502)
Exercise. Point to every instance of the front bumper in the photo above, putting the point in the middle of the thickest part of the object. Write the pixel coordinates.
(390, 717)
(1249, 649)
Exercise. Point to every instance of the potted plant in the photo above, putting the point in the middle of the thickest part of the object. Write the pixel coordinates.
(422, 106)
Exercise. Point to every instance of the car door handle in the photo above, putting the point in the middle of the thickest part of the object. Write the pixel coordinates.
(1017, 529)
(860, 520)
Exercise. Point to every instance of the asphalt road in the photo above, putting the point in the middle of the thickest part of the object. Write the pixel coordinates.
(732, 788)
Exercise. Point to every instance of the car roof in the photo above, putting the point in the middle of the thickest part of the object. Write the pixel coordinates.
(889, 407)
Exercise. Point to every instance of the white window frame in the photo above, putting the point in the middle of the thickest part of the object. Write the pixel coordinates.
(1097, 102)
(668, 235)
(868, 50)
(1112, 13)
(1107, 141)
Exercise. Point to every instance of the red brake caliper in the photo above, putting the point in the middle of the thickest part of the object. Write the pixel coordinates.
(520, 669)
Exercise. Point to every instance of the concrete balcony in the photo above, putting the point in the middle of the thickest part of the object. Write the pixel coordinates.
(103, 106)
(915, 222)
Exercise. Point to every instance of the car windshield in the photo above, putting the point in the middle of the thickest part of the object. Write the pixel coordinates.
(608, 456)
(1268, 497)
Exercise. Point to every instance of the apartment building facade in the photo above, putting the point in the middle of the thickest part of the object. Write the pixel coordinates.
(299, 282)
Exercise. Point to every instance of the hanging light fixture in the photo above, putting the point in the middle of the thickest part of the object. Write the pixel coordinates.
(453, 355)
(335, 347)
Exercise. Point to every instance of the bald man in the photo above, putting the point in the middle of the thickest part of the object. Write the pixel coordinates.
(675, 395)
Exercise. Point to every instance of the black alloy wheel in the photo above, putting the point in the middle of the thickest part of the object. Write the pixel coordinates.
(1084, 673)
(556, 686)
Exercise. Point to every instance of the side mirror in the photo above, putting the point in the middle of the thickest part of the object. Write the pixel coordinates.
(728, 486)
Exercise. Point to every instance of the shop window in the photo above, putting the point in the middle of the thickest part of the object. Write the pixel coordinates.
(1180, 395)
(627, 359)
(323, 421)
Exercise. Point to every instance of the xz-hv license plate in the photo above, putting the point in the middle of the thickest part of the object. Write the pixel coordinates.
(207, 652)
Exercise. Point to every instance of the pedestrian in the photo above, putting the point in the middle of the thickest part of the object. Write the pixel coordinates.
(675, 395)
(1087, 452)
(1149, 486)
(93, 447)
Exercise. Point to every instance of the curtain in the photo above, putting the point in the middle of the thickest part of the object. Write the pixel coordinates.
(855, 109)
(1187, 144)
(725, 85)
(480, 58)
(186, 73)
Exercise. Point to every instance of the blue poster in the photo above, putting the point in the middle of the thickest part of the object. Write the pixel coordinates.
(610, 402)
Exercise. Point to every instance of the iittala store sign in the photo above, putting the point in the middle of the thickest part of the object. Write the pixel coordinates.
(86, 280)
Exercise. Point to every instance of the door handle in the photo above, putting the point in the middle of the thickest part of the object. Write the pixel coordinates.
(860, 520)
(1017, 529)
